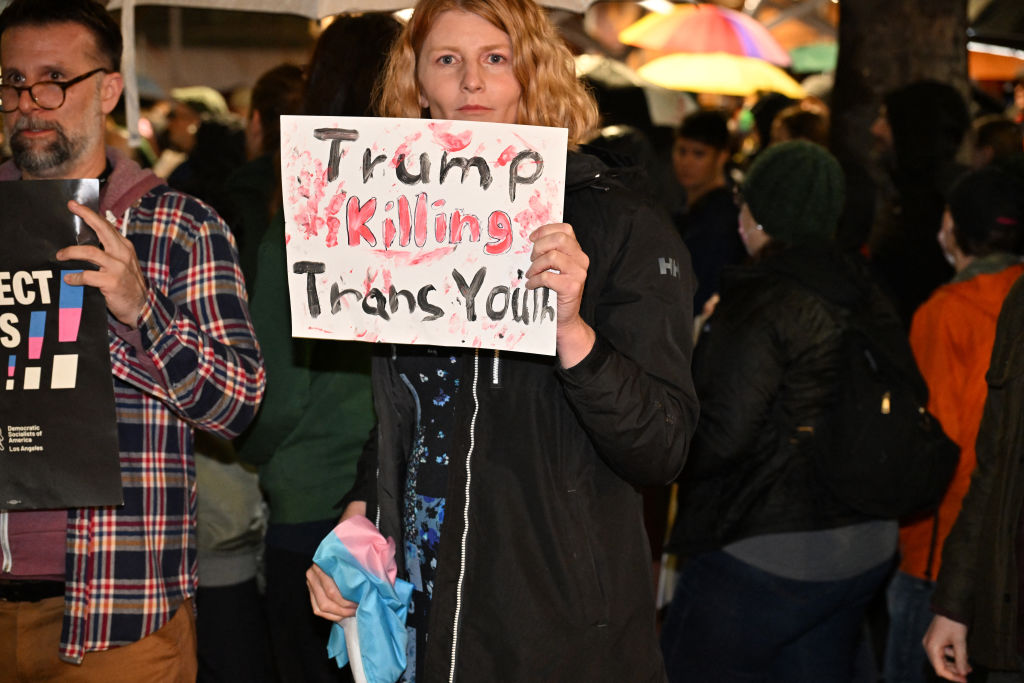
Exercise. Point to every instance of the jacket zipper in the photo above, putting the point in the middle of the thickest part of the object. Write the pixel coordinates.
(5, 543)
(496, 369)
(376, 517)
(465, 513)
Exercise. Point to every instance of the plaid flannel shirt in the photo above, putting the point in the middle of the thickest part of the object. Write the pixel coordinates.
(193, 361)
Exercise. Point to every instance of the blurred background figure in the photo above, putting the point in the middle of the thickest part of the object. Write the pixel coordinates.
(801, 122)
(253, 190)
(763, 111)
(232, 515)
(212, 140)
(919, 131)
(996, 139)
(232, 641)
(317, 412)
(1017, 105)
(952, 335)
(707, 220)
(778, 571)
(239, 100)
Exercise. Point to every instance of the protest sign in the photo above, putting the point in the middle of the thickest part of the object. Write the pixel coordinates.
(58, 428)
(417, 231)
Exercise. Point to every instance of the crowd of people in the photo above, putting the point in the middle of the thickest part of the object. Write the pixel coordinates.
(521, 508)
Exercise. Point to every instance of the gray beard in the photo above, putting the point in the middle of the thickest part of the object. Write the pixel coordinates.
(36, 161)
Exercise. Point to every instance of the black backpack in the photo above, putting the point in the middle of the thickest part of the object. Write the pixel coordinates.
(885, 455)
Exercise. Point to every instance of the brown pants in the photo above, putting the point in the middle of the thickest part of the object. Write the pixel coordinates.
(30, 638)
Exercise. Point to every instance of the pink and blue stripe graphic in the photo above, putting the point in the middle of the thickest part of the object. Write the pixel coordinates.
(36, 329)
(70, 309)
(11, 364)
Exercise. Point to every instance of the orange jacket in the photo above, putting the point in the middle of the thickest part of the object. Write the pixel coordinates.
(952, 334)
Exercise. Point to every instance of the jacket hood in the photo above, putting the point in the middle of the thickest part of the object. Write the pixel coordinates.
(582, 170)
(127, 182)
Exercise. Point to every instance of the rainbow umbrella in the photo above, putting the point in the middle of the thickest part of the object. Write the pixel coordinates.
(705, 28)
(721, 73)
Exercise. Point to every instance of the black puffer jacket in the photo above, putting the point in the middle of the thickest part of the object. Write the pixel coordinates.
(766, 370)
(548, 577)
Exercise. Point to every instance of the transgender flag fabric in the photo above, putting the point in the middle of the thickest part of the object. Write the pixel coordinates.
(362, 563)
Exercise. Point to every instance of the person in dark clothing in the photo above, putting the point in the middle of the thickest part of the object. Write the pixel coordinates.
(799, 122)
(525, 540)
(253, 191)
(707, 222)
(213, 140)
(996, 139)
(777, 570)
(318, 412)
(977, 600)
(922, 125)
(952, 335)
(764, 111)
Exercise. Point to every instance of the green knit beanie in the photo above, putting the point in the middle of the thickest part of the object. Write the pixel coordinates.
(795, 192)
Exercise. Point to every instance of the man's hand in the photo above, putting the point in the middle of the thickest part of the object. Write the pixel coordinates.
(119, 277)
(946, 645)
(325, 596)
(560, 264)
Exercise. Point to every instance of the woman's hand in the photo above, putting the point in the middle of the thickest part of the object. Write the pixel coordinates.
(559, 263)
(356, 507)
(325, 597)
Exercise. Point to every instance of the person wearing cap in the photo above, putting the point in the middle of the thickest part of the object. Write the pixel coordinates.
(777, 571)
(952, 336)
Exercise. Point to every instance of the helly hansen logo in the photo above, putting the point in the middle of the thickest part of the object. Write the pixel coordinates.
(668, 266)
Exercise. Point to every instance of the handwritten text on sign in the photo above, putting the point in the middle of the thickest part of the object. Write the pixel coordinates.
(417, 231)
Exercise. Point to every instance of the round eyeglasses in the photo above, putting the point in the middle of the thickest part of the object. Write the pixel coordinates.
(46, 94)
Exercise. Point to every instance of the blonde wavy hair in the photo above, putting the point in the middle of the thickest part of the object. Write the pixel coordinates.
(543, 65)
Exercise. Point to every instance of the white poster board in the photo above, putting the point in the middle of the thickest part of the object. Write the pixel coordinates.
(416, 231)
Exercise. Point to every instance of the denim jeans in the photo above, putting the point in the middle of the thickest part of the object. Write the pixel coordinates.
(731, 622)
(909, 599)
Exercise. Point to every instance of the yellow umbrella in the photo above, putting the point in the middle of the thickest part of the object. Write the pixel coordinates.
(719, 72)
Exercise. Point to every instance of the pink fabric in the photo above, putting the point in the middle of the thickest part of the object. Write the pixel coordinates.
(366, 545)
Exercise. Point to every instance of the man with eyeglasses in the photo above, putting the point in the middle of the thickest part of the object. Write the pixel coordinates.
(105, 594)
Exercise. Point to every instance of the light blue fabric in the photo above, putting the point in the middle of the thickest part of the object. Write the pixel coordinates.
(381, 613)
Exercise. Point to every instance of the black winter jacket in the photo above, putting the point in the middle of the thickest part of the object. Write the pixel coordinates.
(544, 567)
(766, 369)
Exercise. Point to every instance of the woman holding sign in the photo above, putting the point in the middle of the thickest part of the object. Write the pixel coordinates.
(510, 480)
